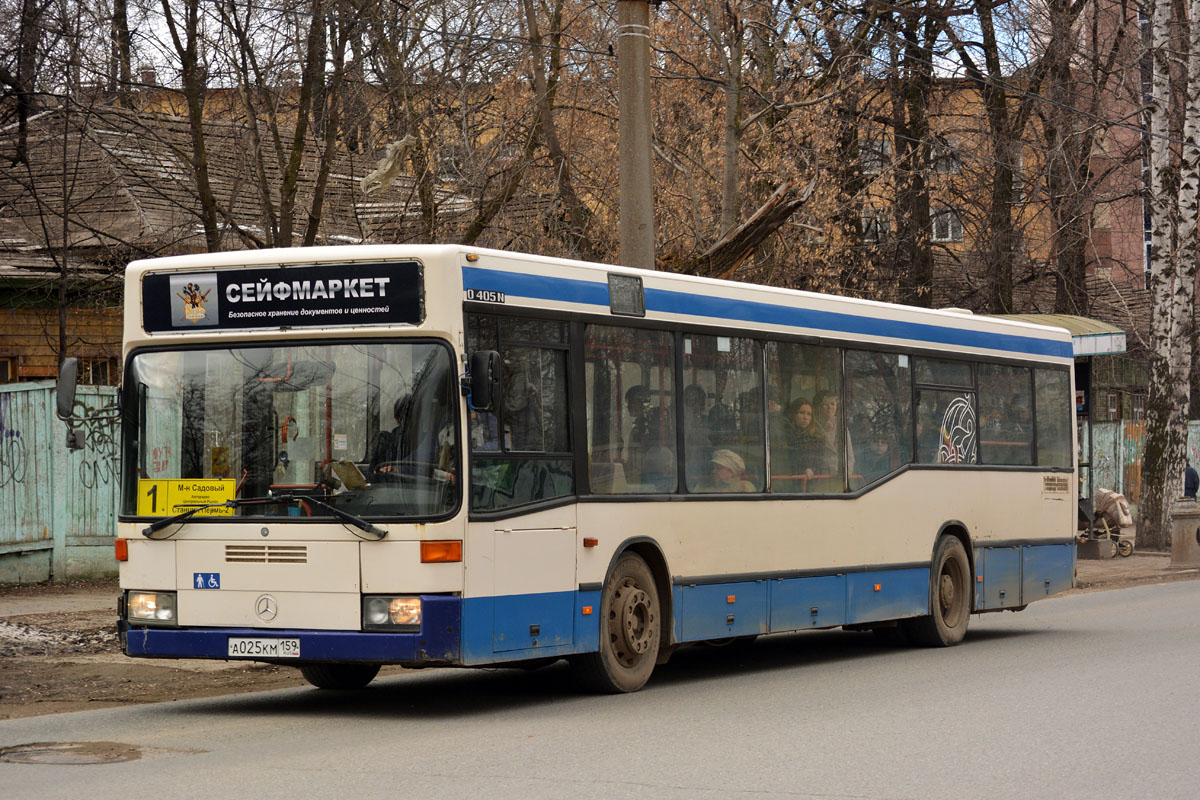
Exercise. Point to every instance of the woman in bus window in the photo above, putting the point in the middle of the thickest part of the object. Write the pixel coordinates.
(804, 446)
(829, 424)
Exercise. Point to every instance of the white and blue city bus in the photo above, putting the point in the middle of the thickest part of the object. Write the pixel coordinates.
(339, 458)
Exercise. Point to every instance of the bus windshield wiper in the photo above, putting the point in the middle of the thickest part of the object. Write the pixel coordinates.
(153, 527)
(344, 516)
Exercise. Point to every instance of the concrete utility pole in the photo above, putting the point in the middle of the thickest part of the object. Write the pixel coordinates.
(633, 92)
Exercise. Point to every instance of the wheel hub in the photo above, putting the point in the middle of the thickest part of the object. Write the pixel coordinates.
(946, 591)
(633, 617)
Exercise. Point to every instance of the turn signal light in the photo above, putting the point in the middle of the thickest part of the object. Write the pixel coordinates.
(441, 552)
(121, 548)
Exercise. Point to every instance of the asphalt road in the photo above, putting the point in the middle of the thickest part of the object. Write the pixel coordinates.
(1088, 696)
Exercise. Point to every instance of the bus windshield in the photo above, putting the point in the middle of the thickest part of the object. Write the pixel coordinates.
(366, 427)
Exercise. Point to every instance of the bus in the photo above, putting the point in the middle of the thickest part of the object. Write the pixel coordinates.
(339, 458)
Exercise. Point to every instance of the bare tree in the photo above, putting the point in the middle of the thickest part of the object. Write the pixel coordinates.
(1174, 191)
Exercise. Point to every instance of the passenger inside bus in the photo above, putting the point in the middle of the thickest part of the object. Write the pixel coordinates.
(727, 474)
(411, 448)
(637, 403)
(803, 457)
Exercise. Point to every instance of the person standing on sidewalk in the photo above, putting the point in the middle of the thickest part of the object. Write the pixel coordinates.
(1191, 481)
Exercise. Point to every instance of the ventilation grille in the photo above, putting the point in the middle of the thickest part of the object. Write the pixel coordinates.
(266, 554)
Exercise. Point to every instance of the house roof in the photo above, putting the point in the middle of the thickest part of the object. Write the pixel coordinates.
(126, 180)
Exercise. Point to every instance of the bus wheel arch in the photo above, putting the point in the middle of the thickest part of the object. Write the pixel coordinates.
(951, 593)
(633, 622)
(958, 530)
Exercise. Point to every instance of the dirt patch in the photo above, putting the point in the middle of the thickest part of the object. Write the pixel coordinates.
(57, 662)
(53, 661)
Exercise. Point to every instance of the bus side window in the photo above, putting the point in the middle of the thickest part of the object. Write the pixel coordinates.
(1053, 388)
(521, 451)
(730, 437)
(1005, 415)
(629, 390)
(806, 434)
(879, 397)
(947, 431)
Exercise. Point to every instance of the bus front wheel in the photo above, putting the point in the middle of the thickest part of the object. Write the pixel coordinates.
(629, 631)
(950, 593)
(339, 676)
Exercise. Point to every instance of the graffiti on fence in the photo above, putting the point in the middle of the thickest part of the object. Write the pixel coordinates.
(12, 448)
(98, 465)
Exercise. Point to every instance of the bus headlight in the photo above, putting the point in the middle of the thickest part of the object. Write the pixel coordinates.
(156, 608)
(391, 613)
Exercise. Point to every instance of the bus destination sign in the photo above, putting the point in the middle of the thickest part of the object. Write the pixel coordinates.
(283, 297)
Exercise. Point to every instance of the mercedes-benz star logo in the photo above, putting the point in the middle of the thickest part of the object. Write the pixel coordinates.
(266, 607)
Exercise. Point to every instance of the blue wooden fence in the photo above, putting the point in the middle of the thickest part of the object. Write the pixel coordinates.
(57, 506)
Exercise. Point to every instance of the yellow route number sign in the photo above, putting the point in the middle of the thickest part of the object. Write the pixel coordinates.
(163, 498)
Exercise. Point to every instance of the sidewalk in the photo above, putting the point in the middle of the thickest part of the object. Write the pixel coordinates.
(1141, 567)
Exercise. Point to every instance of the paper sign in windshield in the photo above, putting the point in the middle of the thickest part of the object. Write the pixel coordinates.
(163, 498)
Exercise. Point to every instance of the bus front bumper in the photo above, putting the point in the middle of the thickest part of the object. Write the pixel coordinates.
(438, 642)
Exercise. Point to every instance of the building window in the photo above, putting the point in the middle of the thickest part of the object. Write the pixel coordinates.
(1139, 407)
(876, 225)
(947, 226)
(1114, 406)
(8, 370)
(943, 158)
(1018, 179)
(875, 154)
(97, 371)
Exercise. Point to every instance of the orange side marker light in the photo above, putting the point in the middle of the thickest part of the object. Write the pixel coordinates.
(587, 610)
(121, 548)
(441, 552)
(732, 598)
(878, 587)
(588, 541)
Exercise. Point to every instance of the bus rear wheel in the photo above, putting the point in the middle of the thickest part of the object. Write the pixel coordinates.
(950, 593)
(629, 631)
(339, 676)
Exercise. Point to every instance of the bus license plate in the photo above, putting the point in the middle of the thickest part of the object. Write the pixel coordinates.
(265, 648)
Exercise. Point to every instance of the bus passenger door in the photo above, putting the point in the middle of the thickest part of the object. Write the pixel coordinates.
(534, 584)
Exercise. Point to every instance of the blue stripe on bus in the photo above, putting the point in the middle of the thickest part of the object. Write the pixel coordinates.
(491, 630)
(542, 287)
(537, 287)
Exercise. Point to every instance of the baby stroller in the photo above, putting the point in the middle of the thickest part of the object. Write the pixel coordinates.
(1102, 520)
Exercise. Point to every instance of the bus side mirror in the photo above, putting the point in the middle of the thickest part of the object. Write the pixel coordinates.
(485, 379)
(66, 388)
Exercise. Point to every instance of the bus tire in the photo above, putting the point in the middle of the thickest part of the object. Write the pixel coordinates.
(339, 676)
(630, 621)
(950, 591)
